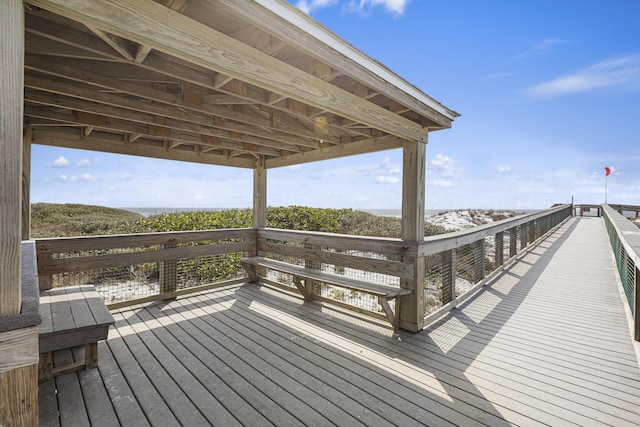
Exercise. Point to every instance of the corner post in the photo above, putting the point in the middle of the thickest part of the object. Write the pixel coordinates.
(259, 218)
(11, 108)
(412, 306)
(18, 347)
(259, 194)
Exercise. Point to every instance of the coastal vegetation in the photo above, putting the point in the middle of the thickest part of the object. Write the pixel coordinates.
(64, 220)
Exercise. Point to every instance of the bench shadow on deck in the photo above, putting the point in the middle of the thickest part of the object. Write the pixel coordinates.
(254, 355)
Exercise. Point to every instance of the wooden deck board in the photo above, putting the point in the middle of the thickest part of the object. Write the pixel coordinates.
(543, 344)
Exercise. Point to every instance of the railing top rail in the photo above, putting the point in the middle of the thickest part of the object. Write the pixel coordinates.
(628, 232)
(139, 239)
(434, 244)
(428, 246)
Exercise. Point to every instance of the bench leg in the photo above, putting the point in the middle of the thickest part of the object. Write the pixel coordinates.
(304, 289)
(91, 355)
(384, 302)
(45, 367)
(251, 272)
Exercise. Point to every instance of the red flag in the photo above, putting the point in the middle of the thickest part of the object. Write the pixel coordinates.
(607, 171)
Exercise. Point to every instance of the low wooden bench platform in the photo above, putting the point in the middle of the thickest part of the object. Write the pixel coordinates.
(72, 317)
(300, 274)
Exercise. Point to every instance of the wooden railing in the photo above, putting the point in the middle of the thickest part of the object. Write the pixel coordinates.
(625, 243)
(143, 267)
(458, 264)
(444, 269)
(629, 211)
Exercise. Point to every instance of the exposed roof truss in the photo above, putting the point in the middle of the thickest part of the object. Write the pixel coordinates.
(221, 82)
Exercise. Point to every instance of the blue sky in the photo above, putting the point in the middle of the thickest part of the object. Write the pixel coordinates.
(549, 93)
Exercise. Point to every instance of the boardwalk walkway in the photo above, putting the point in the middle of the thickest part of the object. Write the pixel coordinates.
(546, 344)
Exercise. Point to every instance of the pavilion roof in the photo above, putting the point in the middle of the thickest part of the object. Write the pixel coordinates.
(227, 82)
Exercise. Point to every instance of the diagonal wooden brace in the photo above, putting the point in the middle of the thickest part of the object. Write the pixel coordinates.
(384, 302)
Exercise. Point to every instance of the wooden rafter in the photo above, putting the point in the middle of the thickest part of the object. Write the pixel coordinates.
(196, 43)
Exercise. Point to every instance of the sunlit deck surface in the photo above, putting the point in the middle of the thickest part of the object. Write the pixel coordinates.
(546, 343)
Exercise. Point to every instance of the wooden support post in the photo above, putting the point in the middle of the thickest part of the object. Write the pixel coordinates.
(168, 273)
(11, 107)
(259, 211)
(412, 307)
(19, 347)
(259, 195)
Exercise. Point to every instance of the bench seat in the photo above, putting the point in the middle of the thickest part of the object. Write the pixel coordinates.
(72, 317)
(383, 292)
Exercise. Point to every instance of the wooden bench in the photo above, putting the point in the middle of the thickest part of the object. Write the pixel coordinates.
(383, 292)
(72, 317)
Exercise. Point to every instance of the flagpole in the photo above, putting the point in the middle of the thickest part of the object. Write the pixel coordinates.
(607, 171)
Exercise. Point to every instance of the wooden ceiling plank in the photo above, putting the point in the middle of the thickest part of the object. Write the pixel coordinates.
(139, 123)
(205, 109)
(160, 63)
(127, 108)
(193, 42)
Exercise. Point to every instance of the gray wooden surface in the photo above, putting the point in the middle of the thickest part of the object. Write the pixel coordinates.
(546, 343)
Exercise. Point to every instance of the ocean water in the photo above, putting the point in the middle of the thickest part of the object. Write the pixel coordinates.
(380, 212)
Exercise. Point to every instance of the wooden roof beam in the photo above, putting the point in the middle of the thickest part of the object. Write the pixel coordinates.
(337, 151)
(109, 143)
(137, 123)
(189, 40)
(200, 114)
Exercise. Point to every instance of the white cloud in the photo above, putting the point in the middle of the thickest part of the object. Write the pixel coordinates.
(63, 178)
(621, 71)
(441, 183)
(382, 179)
(308, 6)
(294, 168)
(396, 7)
(87, 163)
(444, 166)
(85, 177)
(503, 169)
(540, 47)
(60, 162)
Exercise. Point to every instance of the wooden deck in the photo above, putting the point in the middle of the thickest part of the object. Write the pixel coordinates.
(547, 343)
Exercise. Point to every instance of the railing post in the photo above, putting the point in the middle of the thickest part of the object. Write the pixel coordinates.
(513, 242)
(478, 255)
(314, 265)
(449, 261)
(168, 272)
(499, 245)
(636, 329)
(523, 236)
